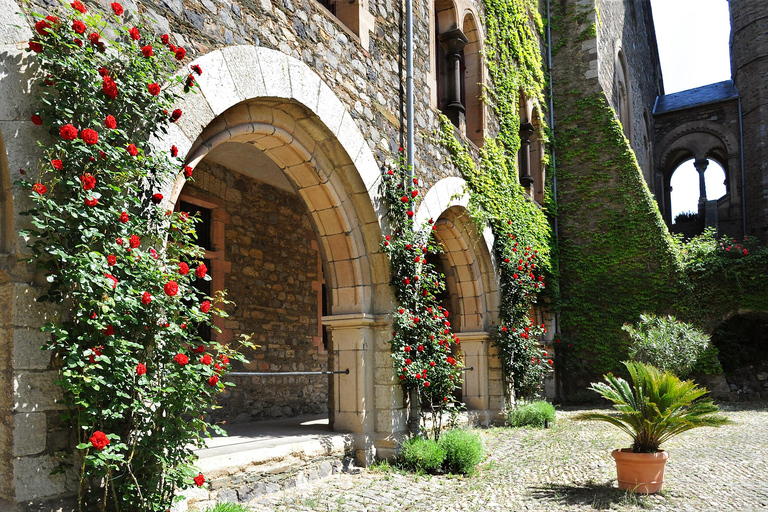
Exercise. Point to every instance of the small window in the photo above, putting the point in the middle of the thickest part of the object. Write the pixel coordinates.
(204, 227)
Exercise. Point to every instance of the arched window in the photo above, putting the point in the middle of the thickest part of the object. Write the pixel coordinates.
(531, 170)
(623, 94)
(647, 151)
(473, 82)
(449, 62)
(692, 184)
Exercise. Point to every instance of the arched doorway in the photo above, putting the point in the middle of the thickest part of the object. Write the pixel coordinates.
(742, 345)
(692, 185)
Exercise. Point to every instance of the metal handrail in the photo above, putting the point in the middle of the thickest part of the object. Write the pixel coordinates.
(264, 374)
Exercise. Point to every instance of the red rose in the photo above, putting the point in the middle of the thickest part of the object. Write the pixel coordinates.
(57, 164)
(190, 80)
(188, 171)
(199, 480)
(197, 69)
(124, 217)
(134, 33)
(200, 349)
(201, 270)
(410, 213)
(205, 306)
(89, 136)
(111, 278)
(108, 330)
(36, 119)
(78, 26)
(146, 298)
(119, 241)
(172, 47)
(99, 440)
(141, 369)
(78, 6)
(171, 288)
(39, 188)
(111, 260)
(109, 87)
(42, 27)
(93, 37)
(181, 359)
(175, 115)
(134, 241)
(147, 51)
(206, 360)
(91, 201)
(224, 359)
(110, 122)
(213, 380)
(183, 268)
(117, 8)
(78, 42)
(174, 150)
(154, 89)
(133, 150)
(35, 46)
(68, 132)
(156, 198)
(88, 181)
(165, 38)
(180, 53)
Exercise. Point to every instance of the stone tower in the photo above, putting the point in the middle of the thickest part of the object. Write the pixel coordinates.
(749, 69)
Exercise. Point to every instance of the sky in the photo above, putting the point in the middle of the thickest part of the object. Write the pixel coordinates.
(693, 48)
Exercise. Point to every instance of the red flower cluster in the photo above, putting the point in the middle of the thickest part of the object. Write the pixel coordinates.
(88, 181)
(146, 298)
(117, 8)
(201, 271)
(199, 480)
(132, 149)
(175, 115)
(141, 369)
(154, 89)
(146, 51)
(39, 188)
(78, 6)
(187, 171)
(157, 198)
(181, 359)
(124, 217)
(78, 26)
(109, 86)
(89, 136)
(110, 122)
(134, 241)
(68, 132)
(36, 119)
(134, 33)
(171, 288)
(205, 306)
(183, 268)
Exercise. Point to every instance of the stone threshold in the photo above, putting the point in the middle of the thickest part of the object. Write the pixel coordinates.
(265, 457)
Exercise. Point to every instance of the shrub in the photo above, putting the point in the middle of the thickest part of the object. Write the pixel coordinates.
(667, 344)
(228, 507)
(419, 454)
(686, 217)
(534, 414)
(463, 451)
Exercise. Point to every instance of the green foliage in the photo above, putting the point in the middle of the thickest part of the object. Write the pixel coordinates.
(136, 376)
(521, 230)
(423, 346)
(537, 414)
(228, 507)
(686, 217)
(463, 451)
(419, 454)
(663, 342)
(655, 407)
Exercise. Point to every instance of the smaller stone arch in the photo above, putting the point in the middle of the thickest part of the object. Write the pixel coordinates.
(623, 92)
(474, 80)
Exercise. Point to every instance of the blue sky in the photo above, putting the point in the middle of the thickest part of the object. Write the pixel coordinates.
(693, 48)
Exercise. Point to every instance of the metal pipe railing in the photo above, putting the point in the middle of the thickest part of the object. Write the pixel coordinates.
(264, 374)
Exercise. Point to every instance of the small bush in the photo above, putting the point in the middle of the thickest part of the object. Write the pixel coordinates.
(228, 507)
(463, 451)
(665, 343)
(535, 414)
(418, 454)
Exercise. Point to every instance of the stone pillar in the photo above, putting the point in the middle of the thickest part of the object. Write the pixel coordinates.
(454, 42)
(526, 180)
(701, 167)
(353, 341)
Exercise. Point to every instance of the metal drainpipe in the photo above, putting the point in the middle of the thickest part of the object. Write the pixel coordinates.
(743, 189)
(413, 397)
(552, 129)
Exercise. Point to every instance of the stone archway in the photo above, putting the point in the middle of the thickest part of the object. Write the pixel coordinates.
(471, 279)
(277, 104)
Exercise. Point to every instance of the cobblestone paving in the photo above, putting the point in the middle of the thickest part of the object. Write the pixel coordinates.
(567, 467)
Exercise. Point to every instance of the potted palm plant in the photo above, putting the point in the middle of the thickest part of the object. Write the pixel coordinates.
(654, 408)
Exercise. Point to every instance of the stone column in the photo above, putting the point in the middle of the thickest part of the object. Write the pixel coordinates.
(353, 340)
(701, 167)
(454, 42)
(526, 180)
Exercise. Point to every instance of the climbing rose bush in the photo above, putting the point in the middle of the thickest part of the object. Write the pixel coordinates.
(425, 351)
(137, 377)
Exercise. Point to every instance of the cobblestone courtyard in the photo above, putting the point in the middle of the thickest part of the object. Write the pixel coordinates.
(567, 467)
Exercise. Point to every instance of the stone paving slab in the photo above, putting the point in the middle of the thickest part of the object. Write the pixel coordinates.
(567, 467)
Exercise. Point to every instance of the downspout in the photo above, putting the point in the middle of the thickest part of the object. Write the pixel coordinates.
(413, 396)
(551, 109)
(743, 189)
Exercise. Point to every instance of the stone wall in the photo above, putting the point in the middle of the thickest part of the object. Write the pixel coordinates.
(273, 279)
(749, 68)
(627, 25)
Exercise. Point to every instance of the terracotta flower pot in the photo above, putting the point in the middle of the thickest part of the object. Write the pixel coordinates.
(640, 472)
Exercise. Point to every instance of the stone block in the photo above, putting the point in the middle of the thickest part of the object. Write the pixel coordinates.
(29, 433)
(13, 28)
(330, 109)
(216, 82)
(26, 350)
(16, 79)
(33, 479)
(274, 69)
(35, 392)
(305, 84)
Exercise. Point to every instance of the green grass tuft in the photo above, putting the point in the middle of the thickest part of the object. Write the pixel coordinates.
(534, 414)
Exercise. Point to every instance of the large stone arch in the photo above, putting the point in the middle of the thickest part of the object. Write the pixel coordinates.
(471, 276)
(253, 95)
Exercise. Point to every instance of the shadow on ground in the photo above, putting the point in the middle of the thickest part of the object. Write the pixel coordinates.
(598, 496)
